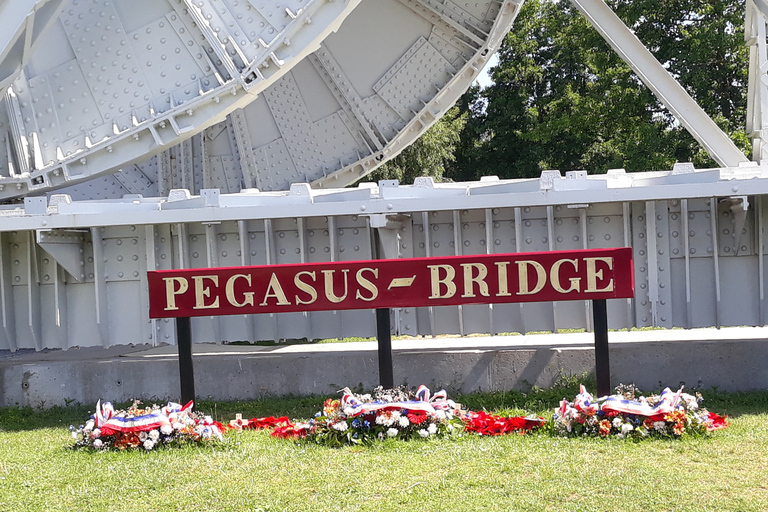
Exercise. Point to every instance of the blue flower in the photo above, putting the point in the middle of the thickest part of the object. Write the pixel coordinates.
(367, 424)
(600, 413)
(356, 423)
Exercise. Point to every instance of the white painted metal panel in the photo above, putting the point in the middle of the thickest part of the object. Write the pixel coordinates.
(73, 272)
(390, 71)
(115, 81)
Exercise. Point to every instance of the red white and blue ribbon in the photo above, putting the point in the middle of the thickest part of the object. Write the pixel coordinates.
(589, 406)
(145, 422)
(103, 413)
(105, 418)
(668, 402)
(424, 403)
(584, 402)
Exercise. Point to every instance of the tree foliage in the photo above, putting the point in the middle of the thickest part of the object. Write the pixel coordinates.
(563, 99)
(427, 156)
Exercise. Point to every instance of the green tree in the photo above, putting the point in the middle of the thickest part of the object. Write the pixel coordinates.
(429, 155)
(563, 99)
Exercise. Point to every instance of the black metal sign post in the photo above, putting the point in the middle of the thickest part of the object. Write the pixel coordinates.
(602, 363)
(186, 368)
(384, 337)
(383, 333)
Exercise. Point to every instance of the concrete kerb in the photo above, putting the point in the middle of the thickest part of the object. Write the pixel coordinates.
(732, 359)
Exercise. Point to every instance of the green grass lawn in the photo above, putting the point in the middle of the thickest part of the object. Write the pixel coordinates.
(252, 471)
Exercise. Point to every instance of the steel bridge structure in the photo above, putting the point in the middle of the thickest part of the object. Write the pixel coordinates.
(143, 135)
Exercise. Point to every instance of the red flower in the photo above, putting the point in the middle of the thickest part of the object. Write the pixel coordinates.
(417, 417)
(268, 422)
(492, 425)
(290, 431)
(715, 421)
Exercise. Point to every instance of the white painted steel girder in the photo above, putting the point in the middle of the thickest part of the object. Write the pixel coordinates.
(23, 22)
(73, 273)
(114, 81)
(757, 95)
(685, 109)
(573, 189)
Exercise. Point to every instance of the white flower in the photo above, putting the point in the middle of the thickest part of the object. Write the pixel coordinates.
(208, 420)
(88, 426)
(75, 434)
(432, 428)
(97, 443)
(148, 444)
(143, 436)
(423, 432)
(440, 414)
(392, 432)
(154, 435)
(690, 401)
(340, 426)
(403, 421)
(166, 430)
(617, 422)
(627, 428)
(659, 425)
(96, 433)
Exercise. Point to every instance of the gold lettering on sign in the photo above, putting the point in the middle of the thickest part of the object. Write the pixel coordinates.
(171, 291)
(330, 294)
(367, 284)
(275, 291)
(479, 279)
(554, 276)
(203, 292)
(522, 272)
(435, 281)
(593, 274)
(305, 287)
(503, 284)
(230, 291)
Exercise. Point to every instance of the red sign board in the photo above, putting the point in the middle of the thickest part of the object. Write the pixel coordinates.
(415, 282)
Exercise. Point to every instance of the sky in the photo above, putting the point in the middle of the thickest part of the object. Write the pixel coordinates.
(483, 79)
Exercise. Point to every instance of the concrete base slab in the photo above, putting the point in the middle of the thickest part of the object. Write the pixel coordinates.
(734, 359)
